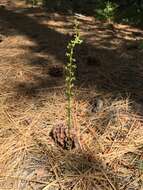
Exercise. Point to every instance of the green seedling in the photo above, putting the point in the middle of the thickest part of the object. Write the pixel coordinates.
(70, 69)
(107, 11)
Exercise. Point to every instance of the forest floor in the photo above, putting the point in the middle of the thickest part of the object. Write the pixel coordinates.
(107, 107)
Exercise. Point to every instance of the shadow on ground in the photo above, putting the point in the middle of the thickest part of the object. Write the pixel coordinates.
(102, 64)
(74, 170)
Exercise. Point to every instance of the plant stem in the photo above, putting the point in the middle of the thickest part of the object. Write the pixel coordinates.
(70, 75)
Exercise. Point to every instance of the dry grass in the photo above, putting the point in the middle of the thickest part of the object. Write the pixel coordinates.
(110, 155)
(108, 158)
